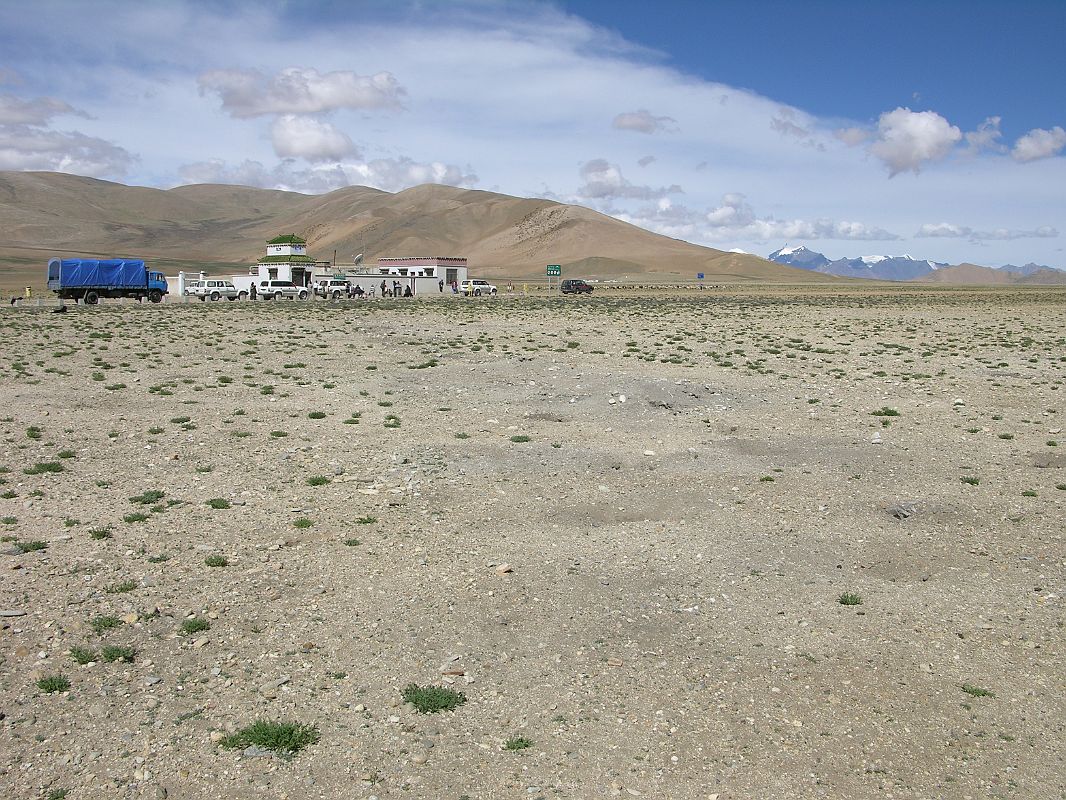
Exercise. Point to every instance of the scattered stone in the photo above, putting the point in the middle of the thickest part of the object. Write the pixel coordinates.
(503, 569)
(11, 613)
(902, 510)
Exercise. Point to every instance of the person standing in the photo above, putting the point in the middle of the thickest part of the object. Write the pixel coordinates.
(251, 292)
(440, 284)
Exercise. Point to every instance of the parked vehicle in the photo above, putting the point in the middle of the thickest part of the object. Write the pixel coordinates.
(89, 279)
(477, 288)
(211, 289)
(333, 288)
(277, 290)
(575, 286)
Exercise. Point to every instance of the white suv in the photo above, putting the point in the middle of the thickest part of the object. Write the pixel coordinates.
(211, 289)
(275, 290)
(477, 288)
(334, 288)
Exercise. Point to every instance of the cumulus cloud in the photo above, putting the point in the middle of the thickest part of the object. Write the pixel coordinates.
(309, 138)
(604, 181)
(389, 174)
(905, 139)
(299, 90)
(735, 220)
(26, 147)
(643, 121)
(853, 136)
(986, 137)
(1039, 143)
(946, 230)
(785, 124)
(38, 111)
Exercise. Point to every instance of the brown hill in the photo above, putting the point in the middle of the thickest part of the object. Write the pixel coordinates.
(970, 274)
(974, 275)
(221, 228)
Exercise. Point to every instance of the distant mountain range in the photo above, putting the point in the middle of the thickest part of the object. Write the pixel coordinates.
(908, 268)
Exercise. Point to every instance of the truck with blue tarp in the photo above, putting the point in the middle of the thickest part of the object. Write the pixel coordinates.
(89, 279)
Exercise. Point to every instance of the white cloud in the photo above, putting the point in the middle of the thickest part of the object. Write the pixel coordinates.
(908, 139)
(986, 137)
(389, 174)
(946, 230)
(644, 161)
(853, 137)
(299, 90)
(604, 181)
(308, 138)
(24, 147)
(643, 121)
(38, 111)
(735, 220)
(1039, 143)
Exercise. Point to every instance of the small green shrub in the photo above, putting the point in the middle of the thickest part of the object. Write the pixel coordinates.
(43, 467)
(302, 522)
(219, 503)
(149, 497)
(100, 533)
(518, 743)
(885, 411)
(520, 439)
(112, 653)
(976, 691)
(136, 516)
(317, 480)
(194, 625)
(66, 454)
(122, 588)
(216, 561)
(317, 415)
(283, 738)
(431, 699)
(352, 542)
(53, 683)
(367, 520)
(104, 623)
(82, 655)
(29, 547)
(849, 599)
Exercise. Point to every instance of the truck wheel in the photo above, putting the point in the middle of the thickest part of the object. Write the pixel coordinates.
(277, 295)
(215, 296)
(302, 295)
(91, 298)
(242, 296)
(477, 293)
(336, 295)
(155, 296)
(231, 297)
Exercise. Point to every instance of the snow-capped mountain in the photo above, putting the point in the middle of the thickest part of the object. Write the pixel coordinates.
(799, 257)
(877, 267)
(1027, 269)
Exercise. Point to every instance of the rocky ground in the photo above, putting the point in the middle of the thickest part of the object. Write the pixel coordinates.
(773, 543)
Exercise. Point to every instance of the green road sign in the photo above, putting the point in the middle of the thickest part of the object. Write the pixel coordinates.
(555, 269)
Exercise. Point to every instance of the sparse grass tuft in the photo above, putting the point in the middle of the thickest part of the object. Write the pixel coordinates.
(521, 439)
(431, 699)
(284, 738)
(53, 683)
(216, 561)
(220, 503)
(100, 533)
(112, 653)
(104, 623)
(82, 655)
(122, 588)
(849, 599)
(971, 480)
(317, 480)
(29, 547)
(149, 497)
(518, 743)
(42, 467)
(302, 522)
(194, 625)
(976, 691)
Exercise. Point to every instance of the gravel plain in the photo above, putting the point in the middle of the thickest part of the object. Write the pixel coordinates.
(755, 543)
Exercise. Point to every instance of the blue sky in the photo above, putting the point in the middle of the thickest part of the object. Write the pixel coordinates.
(856, 128)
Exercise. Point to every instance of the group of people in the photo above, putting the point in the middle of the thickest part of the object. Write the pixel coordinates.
(396, 289)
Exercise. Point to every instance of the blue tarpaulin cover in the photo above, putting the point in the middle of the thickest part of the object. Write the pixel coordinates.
(117, 272)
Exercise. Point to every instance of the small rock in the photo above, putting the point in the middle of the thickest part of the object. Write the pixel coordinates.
(902, 510)
(129, 619)
(255, 751)
(503, 569)
(11, 613)
(614, 662)
(876, 438)
(152, 680)
(649, 452)
(217, 736)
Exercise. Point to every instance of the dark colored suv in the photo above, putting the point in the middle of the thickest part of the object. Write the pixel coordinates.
(575, 286)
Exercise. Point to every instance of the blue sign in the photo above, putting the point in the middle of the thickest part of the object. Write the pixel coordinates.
(699, 275)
